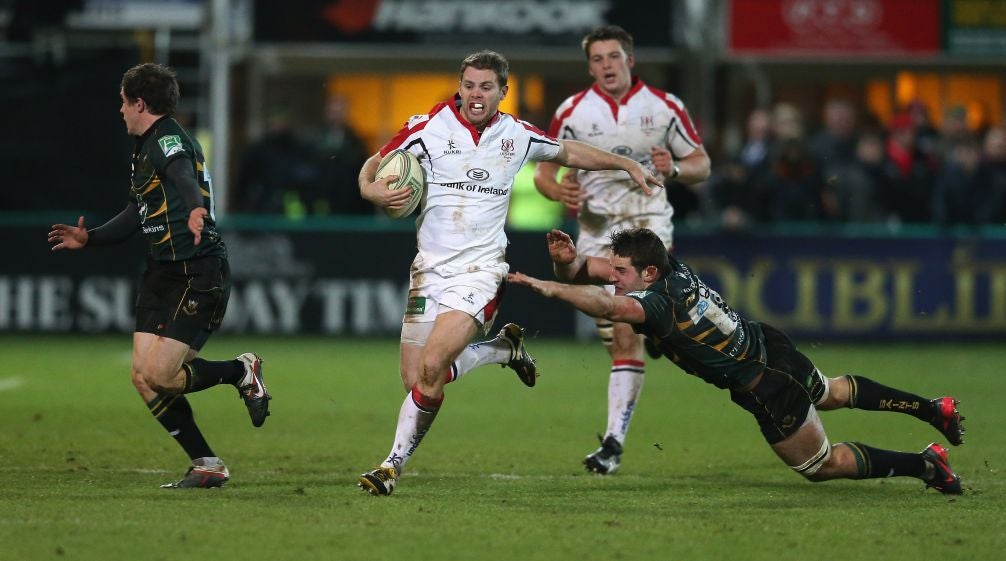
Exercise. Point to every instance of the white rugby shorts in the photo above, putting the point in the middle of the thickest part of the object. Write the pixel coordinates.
(477, 294)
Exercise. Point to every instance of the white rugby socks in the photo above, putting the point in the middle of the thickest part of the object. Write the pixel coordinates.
(493, 351)
(624, 387)
(414, 419)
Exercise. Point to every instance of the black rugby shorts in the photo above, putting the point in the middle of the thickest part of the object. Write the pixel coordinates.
(185, 300)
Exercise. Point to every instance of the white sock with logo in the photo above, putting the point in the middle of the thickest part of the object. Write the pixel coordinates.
(493, 351)
(414, 419)
(624, 386)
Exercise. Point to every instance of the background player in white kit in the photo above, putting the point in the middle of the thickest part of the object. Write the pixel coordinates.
(621, 114)
(471, 153)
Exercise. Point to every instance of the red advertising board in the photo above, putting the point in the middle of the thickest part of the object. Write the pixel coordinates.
(834, 27)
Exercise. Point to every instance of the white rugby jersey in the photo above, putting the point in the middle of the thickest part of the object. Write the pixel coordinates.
(469, 180)
(646, 117)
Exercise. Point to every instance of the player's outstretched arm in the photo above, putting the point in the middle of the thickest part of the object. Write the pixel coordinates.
(64, 236)
(581, 155)
(119, 228)
(591, 300)
(376, 190)
(571, 267)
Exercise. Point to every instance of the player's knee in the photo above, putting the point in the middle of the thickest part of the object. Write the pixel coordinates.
(408, 379)
(159, 384)
(627, 348)
(138, 382)
(832, 468)
(816, 468)
(433, 370)
(839, 392)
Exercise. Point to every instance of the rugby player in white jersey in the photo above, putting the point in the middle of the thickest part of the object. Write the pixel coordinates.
(620, 114)
(471, 153)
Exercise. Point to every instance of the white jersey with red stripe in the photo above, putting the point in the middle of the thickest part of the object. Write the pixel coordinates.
(645, 117)
(469, 182)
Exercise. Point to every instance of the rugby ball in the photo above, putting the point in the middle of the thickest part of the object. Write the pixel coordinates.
(410, 175)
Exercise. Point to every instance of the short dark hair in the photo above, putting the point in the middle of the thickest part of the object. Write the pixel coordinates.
(155, 84)
(607, 33)
(487, 60)
(642, 247)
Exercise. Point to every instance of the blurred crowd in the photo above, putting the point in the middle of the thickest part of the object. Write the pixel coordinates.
(857, 170)
(286, 172)
(849, 168)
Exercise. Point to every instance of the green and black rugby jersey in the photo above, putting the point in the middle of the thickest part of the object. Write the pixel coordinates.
(698, 331)
(164, 215)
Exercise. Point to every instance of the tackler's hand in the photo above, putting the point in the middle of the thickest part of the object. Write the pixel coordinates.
(560, 247)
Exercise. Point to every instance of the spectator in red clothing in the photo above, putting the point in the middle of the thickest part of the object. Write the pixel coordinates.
(911, 173)
(927, 137)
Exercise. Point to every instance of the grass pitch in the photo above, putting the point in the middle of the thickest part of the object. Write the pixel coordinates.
(498, 476)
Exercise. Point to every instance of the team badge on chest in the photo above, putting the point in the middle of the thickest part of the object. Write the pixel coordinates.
(506, 149)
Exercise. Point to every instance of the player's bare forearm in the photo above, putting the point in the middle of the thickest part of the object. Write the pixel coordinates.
(592, 300)
(545, 181)
(565, 190)
(369, 171)
(581, 155)
(566, 263)
(576, 154)
(694, 167)
(574, 272)
(571, 267)
(586, 270)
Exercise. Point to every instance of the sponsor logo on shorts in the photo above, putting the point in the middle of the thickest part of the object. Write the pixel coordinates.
(170, 144)
(416, 305)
